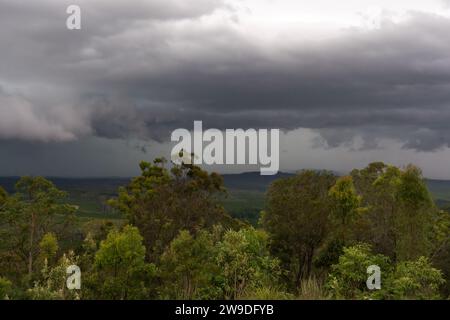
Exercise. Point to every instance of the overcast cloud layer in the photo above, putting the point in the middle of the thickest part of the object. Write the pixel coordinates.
(139, 69)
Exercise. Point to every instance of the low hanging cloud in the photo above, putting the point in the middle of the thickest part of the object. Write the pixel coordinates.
(139, 69)
(21, 119)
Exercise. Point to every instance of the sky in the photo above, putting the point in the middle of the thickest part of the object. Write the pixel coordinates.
(348, 82)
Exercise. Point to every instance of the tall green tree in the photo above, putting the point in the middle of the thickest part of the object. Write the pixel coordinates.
(347, 222)
(36, 209)
(161, 202)
(377, 184)
(345, 205)
(297, 218)
(440, 256)
(400, 210)
(414, 221)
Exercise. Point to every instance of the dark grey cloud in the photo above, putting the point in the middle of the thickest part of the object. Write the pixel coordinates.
(88, 157)
(139, 69)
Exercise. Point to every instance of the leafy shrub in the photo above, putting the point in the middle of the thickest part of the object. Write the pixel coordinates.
(413, 280)
(348, 277)
(5, 288)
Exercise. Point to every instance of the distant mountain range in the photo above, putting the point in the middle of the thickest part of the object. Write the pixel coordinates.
(249, 181)
(244, 181)
(105, 185)
(253, 181)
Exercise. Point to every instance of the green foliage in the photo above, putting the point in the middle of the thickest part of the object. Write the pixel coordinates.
(162, 202)
(48, 246)
(319, 234)
(414, 221)
(218, 265)
(297, 218)
(407, 280)
(440, 238)
(413, 280)
(245, 262)
(400, 210)
(121, 249)
(347, 279)
(377, 185)
(5, 288)
(120, 268)
(188, 267)
(35, 210)
(329, 253)
(3, 196)
(345, 202)
(98, 230)
(52, 281)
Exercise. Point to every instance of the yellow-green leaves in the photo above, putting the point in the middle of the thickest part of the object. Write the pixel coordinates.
(48, 246)
(345, 200)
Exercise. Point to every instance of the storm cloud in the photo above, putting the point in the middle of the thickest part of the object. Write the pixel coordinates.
(139, 69)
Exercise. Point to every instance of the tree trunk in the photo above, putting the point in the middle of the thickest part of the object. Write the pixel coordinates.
(30, 252)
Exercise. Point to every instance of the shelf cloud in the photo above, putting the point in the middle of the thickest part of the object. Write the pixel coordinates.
(139, 69)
